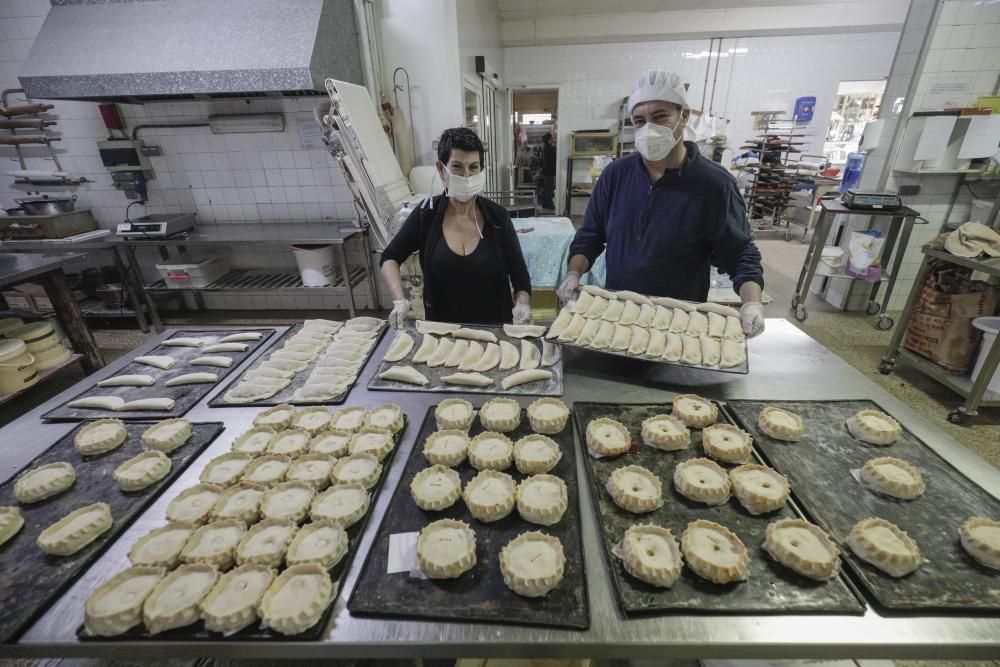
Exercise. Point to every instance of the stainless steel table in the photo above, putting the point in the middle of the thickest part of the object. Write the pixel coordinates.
(786, 364)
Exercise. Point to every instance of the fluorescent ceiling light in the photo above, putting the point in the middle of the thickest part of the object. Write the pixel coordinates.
(254, 122)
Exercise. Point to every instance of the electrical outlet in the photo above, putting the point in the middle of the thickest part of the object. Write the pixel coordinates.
(151, 151)
(909, 190)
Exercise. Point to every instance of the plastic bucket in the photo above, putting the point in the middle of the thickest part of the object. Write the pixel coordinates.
(17, 375)
(990, 326)
(8, 324)
(43, 344)
(315, 264)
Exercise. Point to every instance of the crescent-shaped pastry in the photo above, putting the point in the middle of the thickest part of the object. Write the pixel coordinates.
(802, 547)
(176, 599)
(674, 348)
(614, 311)
(886, 546)
(758, 488)
(630, 313)
(679, 322)
(551, 353)
(401, 346)
(475, 334)
(407, 374)
(597, 308)
(11, 523)
(225, 347)
(473, 355)
(468, 379)
(437, 328)
(717, 309)
(218, 362)
(621, 338)
(651, 554)
(980, 538)
(668, 302)
(242, 336)
(525, 377)
(711, 351)
(627, 295)
(572, 330)
(733, 354)
(589, 332)
(457, 353)
(714, 552)
(583, 303)
(531, 357)
(142, 470)
(562, 320)
(162, 362)
(44, 482)
(662, 318)
(697, 324)
(716, 325)
(602, 340)
(442, 352)
(98, 403)
(509, 356)
(691, 350)
(657, 344)
(532, 564)
(639, 342)
(489, 360)
(597, 291)
(734, 330)
(75, 530)
(183, 342)
(115, 607)
(192, 378)
(635, 489)
(128, 381)
(523, 330)
(646, 314)
(139, 404)
(428, 344)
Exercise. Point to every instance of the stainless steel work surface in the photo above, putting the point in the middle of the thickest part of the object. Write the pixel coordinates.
(786, 364)
(16, 267)
(333, 232)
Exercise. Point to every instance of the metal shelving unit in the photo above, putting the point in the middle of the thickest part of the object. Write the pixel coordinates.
(257, 280)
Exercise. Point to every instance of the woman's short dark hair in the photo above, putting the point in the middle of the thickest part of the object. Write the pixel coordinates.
(461, 138)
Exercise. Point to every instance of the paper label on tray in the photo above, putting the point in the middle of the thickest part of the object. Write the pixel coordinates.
(402, 553)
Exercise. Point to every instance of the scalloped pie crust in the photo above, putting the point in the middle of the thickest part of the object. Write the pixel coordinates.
(343, 504)
(727, 443)
(714, 552)
(532, 564)
(214, 543)
(315, 419)
(268, 469)
(650, 553)
(322, 542)
(695, 411)
(98, 437)
(388, 415)
(75, 530)
(350, 418)
(161, 547)
(886, 546)
(436, 488)
(500, 414)
(240, 501)
(291, 442)
(535, 454)
(758, 488)
(254, 441)
(266, 542)
(142, 470)
(296, 600)
(116, 605)
(194, 503)
(279, 417)
(311, 469)
(446, 549)
(607, 437)
(802, 547)
(11, 523)
(542, 499)
(548, 415)
(288, 501)
(665, 432)
(454, 413)
(780, 424)
(44, 482)
(491, 451)
(168, 435)
(175, 601)
(362, 469)
(232, 603)
(874, 427)
(490, 495)
(447, 447)
(981, 539)
(893, 477)
(372, 440)
(332, 443)
(702, 480)
(635, 489)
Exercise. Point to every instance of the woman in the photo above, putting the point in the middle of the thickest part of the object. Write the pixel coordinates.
(468, 248)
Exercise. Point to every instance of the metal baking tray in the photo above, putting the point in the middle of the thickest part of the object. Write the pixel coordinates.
(552, 387)
(196, 631)
(30, 579)
(299, 379)
(480, 594)
(185, 396)
(819, 468)
(770, 589)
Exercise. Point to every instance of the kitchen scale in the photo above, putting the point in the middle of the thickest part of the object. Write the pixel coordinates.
(156, 226)
(871, 200)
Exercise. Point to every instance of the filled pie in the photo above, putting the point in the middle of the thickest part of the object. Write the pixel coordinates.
(454, 413)
(780, 424)
(650, 553)
(665, 432)
(893, 477)
(142, 470)
(758, 488)
(167, 435)
(542, 499)
(279, 417)
(194, 503)
(267, 470)
(291, 442)
(314, 419)
(490, 495)
(695, 411)
(161, 547)
(372, 440)
(607, 437)
(226, 469)
(343, 504)
(635, 489)
(886, 546)
(980, 538)
(214, 543)
(289, 501)
(253, 442)
(232, 603)
(332, 443)
(311, 469)
(532, 564)
(727, 443)
(296, 600)
(176, 599)
(240, 501)
(350, 418)
(75, 530)
(500, 414)
(388, 415)
(874, 427)
(44, 482)
(491, 451)
(363, 469)
(266, 542)
(714, 552)
(702, 480)
(116, 605)
(11, 523)
(436, 488)
(448, 447)
(802, 547)
(100, 436)
(446, 549)
(535, 454)
(322, 542)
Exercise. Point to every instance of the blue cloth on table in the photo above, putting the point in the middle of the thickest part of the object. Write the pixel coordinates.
(546, 251)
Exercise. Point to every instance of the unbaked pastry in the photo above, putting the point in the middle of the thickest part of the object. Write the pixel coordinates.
(598, 291)
(287, 501)
(388, 415)
(407, 374)
(446, 549)
(11, 522)
(343, 504)
(551, 353)
(75, 530)
(437, 328)
(454, 413)
(167, 435)
(980, 538)
(214, 543)
(674, 348)
(691, 350)
(733, 354)
(893, 477)
(99, 436)
(315, 419)
(490, 495)
(583, 303)
(802, 547)
(225, 347)
(665, 432)
(175, 601)
(491, 451)
(242, 336)
(535, 454)
(734, 330)
(588, 333)
(572, 330)
(266, 542)
(448, 447)
(240, 501)
(362, 469)
(226, 469)
(662, 318)
(621, 338)
(428, 345)
(500, 414)
(489, 360)
(291, 442)
(711, 350)
(332, 443)
(717, 309)
(602, 339)
(559, 325)
(128, 381)
(267, 470)
(401, 346)
(232, 603)
(509, 356)
(598, 306)
(668, 302)
(475, 334)
(254, 441)
(372, 440)
(697, 324)
(532, 564)
(98, 403)
(279, 417)
(714, 552)
(650, 553)
(758, 488)
(679, 322)
(162, 361)
(525, 377)
(296, 600)
(436, 488)
(886, 546)
(311, 469)
(702, 480)
(542, 499)
(142, 470)
(780, 424)
(647, 312)
(638, 342)
(727, 443)
(695, 411)
(607, 437)
(614, 310)
(455, 353)
(192, 378)
(716, 325)
(473, 354)
(630, 313)
(874, 427)
(44, 482)
(468, 379)
(548, 415)
(531, 356)
(116, 605)
(321, 542)
(183, 342)
(635, 489)
(194, 503)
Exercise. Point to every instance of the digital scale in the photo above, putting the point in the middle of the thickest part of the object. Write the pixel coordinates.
(871, 200)
(156, 225)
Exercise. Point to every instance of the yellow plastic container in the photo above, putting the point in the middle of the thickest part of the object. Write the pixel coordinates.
(42, 343)
(8, 324)
(17, 367)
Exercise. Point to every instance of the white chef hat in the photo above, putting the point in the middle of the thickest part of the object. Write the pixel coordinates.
(658, 84)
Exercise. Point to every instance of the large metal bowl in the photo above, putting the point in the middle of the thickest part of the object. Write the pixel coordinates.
(46, 206)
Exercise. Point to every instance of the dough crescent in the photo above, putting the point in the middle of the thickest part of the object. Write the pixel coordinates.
(639, 343)
(621, 339)
(583, 303)
(646, 314)
(156, 361)
(192, 378)
(630, 313)
(680, 321)
(572, 330)
(551, 353)
(407, 374)
(667, 302)
(225, 347)
(524, 377)
(733, 354)
(457, 353)
(442, 352)
(473, 355)
(718, 309)
(218, 362)
(697, 324)
(614, 311)
(588, 333)
(475, 334)
(426, 350)
(598, 291)
(523, 330)
(597, 307)
(562, 320)
(183, 342)
(438, 328)
(639, 299)
(489, 360)
(734, 329)
(149, 404)
(128, 381)
(401, 346)
(468, 379)
(711, 350)
(604, 335)
(657, 343)
(662, 318)
(530, 356)
(242, 336)
(509, 356)
(98, 403)
(692, 350)
(716, 325)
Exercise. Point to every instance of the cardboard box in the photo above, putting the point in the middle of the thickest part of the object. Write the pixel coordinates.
(18, 300)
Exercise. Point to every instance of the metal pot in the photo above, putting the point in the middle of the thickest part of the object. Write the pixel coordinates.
(14, 211)
(46, 206)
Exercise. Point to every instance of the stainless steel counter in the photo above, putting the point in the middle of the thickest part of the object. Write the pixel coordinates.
(786, 364)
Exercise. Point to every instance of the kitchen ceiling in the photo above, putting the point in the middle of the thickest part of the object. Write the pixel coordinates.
(514, 10)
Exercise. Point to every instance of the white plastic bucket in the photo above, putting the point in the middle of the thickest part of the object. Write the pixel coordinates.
(990, 326)
(315, 264)
(17, 374)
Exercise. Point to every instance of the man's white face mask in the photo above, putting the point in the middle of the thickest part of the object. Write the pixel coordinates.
(654, 142)
(464, 188)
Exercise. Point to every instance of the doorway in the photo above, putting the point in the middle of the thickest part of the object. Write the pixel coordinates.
(534, 114)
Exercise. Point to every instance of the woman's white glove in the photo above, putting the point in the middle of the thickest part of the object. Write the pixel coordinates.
(400, 308)
(752, 318)
(522, 313)
(568, 287)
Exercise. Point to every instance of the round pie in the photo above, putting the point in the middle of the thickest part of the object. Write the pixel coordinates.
(363, 469)
(695, 411)
(225, 470)
(266, 542)
(607, 437)
(490, 495)
(116, 605)
(446, 549)
(758, 488)
(161, 547)
(651, 554)
(542, 499)
(240, 501)
(342, 504)
(253, 442)
(372, 440)
(893, 477)
(267, 470)
(447, 448)
(500, 414)
(702, 480)
(635, 489)
(289, 501)
(886, 546)
(322, 542)
(535, 454)
(802, 547)
(311, 469)
(981, 539)
(548, 415)
(332, 443)
(100, 436)
(665, 432)
(726, 443)
(194, 503)
(874, 427)
(296, 600)
(491, 451)
(532, 564)
(454, 413)
(279, 417)
(11, 523)
(167, 435)
(291, 442)
(232, 603)
(75, 530)
(714, 552)
(214, 544)
(436, 488)
(388, 416)
(350, 418)
(315, 419)
(142, 470)
(44, 482)
(780, 424)
(175, 600)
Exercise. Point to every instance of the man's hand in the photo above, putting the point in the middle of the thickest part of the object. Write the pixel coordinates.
(568, 287)
(522, 313)
(752, 318)
(400, 308)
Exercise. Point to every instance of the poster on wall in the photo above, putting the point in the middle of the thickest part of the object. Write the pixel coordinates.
(946, 91)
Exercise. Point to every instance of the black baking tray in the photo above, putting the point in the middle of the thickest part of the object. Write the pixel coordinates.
(551, 387)
(478, 595)
(819, 468)
(196, 632)
(285, 395)
(30, 579)
(186, 396)
(770, 589)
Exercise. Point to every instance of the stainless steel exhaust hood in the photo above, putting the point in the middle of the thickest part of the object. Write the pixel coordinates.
(136, 50)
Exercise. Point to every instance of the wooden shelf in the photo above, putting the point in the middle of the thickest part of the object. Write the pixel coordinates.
(43, 376)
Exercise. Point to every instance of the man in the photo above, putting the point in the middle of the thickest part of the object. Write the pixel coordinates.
(665, 214)
(548, 172)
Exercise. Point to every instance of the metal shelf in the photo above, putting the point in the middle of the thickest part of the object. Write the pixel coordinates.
(257, 280)
(960, 384)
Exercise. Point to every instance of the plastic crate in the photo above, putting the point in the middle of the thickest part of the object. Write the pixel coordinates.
(184, 272)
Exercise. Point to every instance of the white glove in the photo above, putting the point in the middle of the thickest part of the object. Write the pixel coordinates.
(522, 313)
(568, 287)
(752, 318)
(397, 318)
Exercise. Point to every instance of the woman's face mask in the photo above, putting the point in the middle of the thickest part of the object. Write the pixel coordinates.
(464, 188)
(654, 142)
